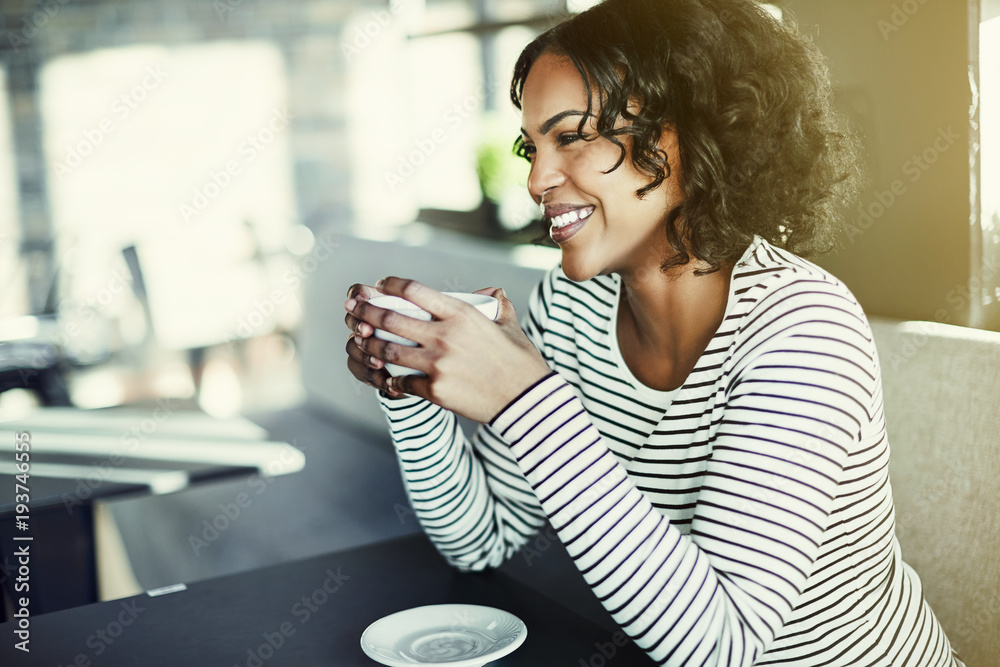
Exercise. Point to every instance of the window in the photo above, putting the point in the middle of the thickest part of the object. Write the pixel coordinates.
(183, 153)
(434, 135)
(989, 141)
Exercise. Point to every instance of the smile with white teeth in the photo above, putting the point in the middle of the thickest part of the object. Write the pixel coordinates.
(571, 217)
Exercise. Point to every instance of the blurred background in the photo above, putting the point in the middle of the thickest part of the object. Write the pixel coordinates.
(185, 185)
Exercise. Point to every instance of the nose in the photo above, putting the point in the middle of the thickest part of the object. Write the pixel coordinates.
(546, 173)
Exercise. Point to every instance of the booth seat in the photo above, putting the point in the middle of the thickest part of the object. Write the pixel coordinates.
(941, 386)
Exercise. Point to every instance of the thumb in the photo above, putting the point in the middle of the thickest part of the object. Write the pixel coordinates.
(506, 312)
(506, 315)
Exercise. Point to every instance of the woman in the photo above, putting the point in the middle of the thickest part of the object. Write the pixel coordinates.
(695, 409)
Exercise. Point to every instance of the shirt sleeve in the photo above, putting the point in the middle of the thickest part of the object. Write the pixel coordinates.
(470, 496)
(719, 594)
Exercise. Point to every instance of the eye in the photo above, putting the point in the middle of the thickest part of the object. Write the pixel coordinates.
(567, 138)
(523, 149)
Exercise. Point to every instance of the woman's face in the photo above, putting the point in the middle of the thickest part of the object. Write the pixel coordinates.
(597, 219)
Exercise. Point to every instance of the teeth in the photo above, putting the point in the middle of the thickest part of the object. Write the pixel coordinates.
(565, 219)
(571, 217)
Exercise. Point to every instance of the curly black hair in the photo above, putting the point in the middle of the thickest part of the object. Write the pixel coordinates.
(761, 149)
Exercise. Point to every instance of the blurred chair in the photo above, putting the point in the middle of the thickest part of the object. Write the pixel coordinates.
(942, 407)
(30, 356)
(33, 363)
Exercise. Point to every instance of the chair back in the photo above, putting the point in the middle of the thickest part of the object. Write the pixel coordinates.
(941, 386)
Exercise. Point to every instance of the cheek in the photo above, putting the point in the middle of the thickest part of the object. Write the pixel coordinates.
(596, 157)
(608, 157)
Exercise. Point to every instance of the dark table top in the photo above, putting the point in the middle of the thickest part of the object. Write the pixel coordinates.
(309, 612)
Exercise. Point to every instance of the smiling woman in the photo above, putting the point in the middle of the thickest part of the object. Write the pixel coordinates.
(694, 408)
(583, 184)
(762, 155)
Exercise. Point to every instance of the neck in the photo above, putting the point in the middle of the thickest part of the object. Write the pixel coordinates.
(666, 320)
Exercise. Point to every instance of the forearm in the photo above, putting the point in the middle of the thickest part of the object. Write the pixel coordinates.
(464, 501)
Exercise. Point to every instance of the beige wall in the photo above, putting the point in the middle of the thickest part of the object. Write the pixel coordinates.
(904, 79)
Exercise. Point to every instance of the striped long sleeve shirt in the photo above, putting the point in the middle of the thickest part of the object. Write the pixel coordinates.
(745, 518)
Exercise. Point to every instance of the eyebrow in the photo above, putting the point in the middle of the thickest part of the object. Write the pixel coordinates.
(547, 126)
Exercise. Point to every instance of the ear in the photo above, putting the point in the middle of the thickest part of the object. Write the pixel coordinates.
(668, 139)
(668, 144)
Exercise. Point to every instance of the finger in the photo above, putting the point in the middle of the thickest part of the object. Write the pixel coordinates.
(356, 293)
(376, 378)
(358, 354)
(506, 314)
(431, 300)
(386, 351)
(414, 385)
(358, 327)
(389, 320)
(361, 292)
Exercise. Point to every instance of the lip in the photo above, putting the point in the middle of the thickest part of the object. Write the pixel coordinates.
(564, 233)
(555, 210)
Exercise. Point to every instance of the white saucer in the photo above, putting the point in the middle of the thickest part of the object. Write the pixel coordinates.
(458, 635)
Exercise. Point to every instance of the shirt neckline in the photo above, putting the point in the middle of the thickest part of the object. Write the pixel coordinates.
(657, 396)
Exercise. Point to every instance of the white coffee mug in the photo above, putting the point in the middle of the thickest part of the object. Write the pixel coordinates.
(487, 305)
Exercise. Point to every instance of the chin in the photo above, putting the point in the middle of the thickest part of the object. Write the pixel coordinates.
(578, 272)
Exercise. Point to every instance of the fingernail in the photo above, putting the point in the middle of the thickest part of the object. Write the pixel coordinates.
(358, 340)
(379, 283)
(350, 304)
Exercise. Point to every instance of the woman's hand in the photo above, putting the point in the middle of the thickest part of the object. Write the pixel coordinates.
(472, 366)
(362, 365)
